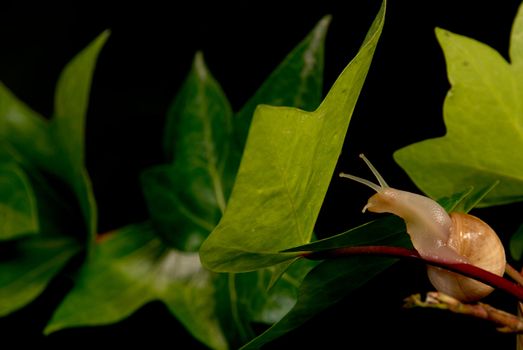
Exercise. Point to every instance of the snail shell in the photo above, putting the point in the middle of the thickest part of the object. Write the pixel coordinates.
(476, 240)
(436, 235)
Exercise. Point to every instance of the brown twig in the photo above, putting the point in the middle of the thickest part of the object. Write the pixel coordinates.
(507, 323)
(514, 274)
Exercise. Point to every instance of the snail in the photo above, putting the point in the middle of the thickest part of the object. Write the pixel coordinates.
(437, 235)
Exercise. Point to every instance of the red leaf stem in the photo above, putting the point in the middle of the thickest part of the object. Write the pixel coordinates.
(467, 270)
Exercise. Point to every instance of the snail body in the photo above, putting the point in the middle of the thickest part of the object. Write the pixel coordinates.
(437, 235)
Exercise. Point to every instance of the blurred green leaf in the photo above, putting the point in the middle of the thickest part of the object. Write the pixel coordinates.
(474, 197)
(247, 298)
(385, 230)
(131, 267)
(71, 101)
(516, 244)
(297, 81)
(199, 110)
(284, 174)
(53, 147)
(68, 126)
(483, 115)
(187, 198)
(180, 218)
(57, 146)
(18, 211)
(453, 202)
(24, 132)
(270, 303)
(30, 265)
(326, 284)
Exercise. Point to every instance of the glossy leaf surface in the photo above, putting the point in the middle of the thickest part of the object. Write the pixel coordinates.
(285, 171)
(483, 114)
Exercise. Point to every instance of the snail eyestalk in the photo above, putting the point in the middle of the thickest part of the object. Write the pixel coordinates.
(375, 187)
(365, 182)
(378, 176)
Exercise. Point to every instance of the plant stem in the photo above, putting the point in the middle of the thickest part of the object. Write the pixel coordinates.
(506, 322)
(467, 270)
(514, 274)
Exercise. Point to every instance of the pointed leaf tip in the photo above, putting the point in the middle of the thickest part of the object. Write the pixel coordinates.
(322, 26)
(516, 38)
(440, 31)
(68, 127)
(199, 66)
(186, 197)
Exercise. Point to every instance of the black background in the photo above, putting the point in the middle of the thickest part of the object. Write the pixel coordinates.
(141, 68)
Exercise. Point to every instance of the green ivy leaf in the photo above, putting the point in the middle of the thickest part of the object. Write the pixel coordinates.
(199, 110)
(516, 244)
(68, 127)
(24, 133)
(187, 198)
(35, 261)
(132, 267)
(483, 114)
(181, 220)
(18, 211)
(71, 101)
(57, 146)
(286, 168)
